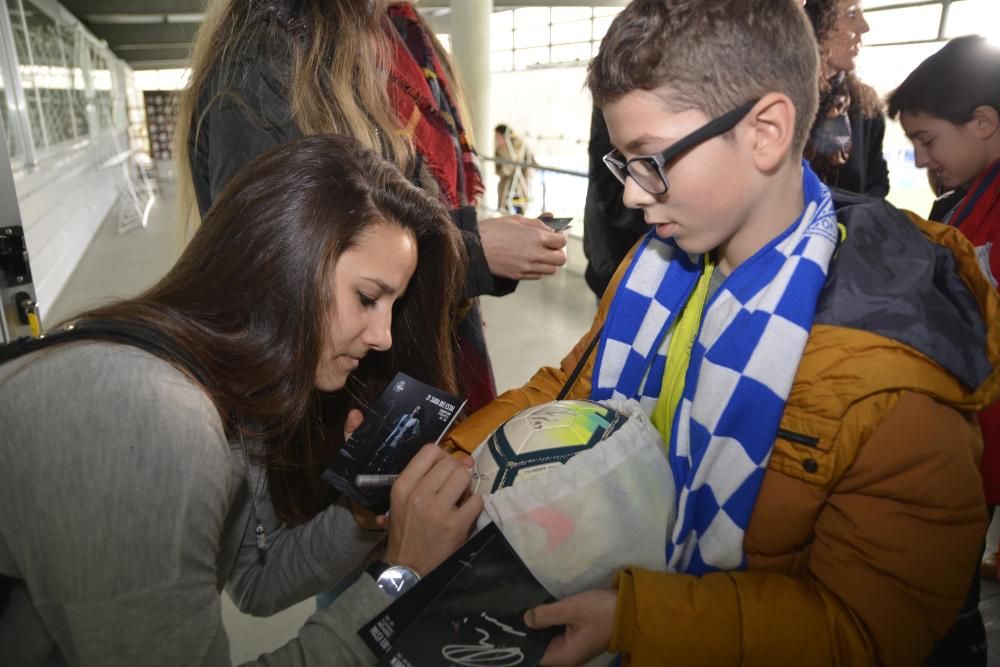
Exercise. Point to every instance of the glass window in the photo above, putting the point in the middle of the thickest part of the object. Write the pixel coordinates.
(531, 17)
(607, 11)
(903, 25)
(567, 14)
(524, 58)
(502, 20)
(502, 61)
(871, 4)
(565, 53)
(100, 77)
(12, 147)
(601, 26)
(45, 51)
(501, 41)
(529, 37)
(568, 33)
(968, 17)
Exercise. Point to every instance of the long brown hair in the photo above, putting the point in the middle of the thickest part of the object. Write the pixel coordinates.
(823, 15)
(337, 54)
(247, 301)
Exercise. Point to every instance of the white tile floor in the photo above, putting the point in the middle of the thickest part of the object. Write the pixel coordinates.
(535, 326)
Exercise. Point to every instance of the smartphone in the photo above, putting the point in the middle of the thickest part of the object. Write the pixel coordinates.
(557, 224)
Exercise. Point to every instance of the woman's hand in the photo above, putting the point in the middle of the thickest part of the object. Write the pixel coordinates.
(432, 510)
(521, 248)
(364, 517)
(589, 618)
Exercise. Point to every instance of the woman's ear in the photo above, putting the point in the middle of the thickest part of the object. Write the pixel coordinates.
(772, 122)
(985, 121)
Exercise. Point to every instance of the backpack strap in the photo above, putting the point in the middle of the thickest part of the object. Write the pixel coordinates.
(575, 375)
(111, 331)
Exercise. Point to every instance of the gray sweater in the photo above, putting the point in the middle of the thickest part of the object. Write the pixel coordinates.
(124, 512)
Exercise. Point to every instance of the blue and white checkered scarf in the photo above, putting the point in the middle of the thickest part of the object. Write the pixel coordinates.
(743, 362)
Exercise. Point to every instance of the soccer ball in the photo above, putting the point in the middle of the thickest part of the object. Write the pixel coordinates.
(539, 438)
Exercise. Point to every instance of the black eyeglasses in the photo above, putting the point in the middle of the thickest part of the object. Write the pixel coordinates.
(647, 170)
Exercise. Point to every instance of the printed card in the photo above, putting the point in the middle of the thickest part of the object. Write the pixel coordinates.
(406, 416)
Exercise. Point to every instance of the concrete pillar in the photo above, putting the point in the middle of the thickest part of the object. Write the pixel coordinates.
(470, 51)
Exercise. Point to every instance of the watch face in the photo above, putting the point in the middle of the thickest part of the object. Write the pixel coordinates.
(396, 580)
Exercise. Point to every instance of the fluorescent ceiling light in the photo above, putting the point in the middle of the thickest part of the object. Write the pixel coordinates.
(185, 18)
(152, 46)
(144, 18)
(125, 19)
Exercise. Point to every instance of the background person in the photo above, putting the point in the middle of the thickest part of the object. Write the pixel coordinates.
(949, 107)
(264, 73)
(514, 190)
(136, 485)
(845, 144)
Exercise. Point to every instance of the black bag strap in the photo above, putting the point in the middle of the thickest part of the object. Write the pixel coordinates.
(575, 375)
(111, 331)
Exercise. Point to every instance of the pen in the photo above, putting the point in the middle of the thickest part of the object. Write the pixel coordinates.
(376, 481)
(373, 481)
(380, 481)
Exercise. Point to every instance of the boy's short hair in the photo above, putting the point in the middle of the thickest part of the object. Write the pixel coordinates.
(713, 55)
(952, 83)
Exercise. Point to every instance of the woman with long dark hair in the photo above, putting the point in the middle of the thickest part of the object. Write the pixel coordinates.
(137, 481)
(268, 71)
(845, 144)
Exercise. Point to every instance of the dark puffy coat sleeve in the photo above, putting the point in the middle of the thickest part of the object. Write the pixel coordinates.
(478, 279)
(866, 172)
(610, 228)
(238, 123)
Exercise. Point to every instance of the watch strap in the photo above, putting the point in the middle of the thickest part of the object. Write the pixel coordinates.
(376, 568)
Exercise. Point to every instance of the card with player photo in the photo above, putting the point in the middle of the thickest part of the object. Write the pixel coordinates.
(406, 416)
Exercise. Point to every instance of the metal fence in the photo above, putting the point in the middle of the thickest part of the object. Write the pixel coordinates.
(59, 85)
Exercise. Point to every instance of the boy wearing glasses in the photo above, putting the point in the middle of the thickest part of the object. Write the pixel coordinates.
(797, 354)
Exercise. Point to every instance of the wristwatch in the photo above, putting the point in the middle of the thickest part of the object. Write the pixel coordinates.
(394, 580)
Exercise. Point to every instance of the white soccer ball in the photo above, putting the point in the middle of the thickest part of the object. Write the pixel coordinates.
(540, 438)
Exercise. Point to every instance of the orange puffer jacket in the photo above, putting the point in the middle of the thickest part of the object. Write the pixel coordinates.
(869, 523)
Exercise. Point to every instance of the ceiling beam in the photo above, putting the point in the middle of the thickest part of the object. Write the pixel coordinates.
(145, 34)
(82, 7)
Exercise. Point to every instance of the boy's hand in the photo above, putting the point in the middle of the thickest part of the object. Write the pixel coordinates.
(589, 618)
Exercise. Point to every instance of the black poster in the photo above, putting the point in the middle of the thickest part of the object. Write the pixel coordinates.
(468, 611)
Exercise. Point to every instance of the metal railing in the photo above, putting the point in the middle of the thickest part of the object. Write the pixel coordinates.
(541, 169)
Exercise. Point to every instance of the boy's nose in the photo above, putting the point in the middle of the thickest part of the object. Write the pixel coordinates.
(634, 196)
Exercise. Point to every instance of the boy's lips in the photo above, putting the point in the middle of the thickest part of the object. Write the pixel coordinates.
(664, 229)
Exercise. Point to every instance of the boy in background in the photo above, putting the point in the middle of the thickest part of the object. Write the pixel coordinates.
(949, 107)
(797, 355)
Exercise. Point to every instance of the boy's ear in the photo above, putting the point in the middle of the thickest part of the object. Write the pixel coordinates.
(772, 122)
(985, 121)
